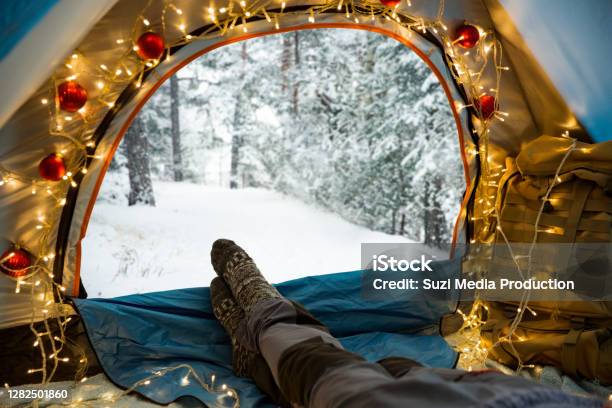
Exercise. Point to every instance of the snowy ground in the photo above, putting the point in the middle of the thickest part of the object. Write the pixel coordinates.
(143, 249)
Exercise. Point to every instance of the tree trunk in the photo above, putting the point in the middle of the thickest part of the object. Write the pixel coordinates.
(295, 100)
(237, 125)
(235, 152)
(426, 214)
(137, 146)
(434, 222)
(439, 227)
(285, 64)
(175, 131)
(369, 63)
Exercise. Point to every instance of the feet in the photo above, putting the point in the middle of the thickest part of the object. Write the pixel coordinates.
(230, 315)
(234, 293)
(241, 275)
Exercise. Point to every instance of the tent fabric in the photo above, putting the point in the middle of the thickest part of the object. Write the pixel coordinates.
(17, 18)
(42, 46)
(571, 41)
(576, 63)
(136, 335)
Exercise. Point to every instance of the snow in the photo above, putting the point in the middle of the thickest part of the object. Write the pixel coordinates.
(141, 249)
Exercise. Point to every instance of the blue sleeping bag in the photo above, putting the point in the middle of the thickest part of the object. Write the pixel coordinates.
(134, 336)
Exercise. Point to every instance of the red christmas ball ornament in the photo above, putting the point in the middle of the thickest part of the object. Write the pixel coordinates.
(467, 36)
(390, 3)
(14, 262)
(52, 167)
(72, 96)
(150, 45)
(486, 105)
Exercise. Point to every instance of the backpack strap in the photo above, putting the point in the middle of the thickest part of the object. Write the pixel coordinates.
(569, 352)
(581, 193)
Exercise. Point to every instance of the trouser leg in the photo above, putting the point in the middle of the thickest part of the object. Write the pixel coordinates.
(398, 366)
(312, 369)
(300, 351)
(260, 373)
(275, 325)
(302, 365)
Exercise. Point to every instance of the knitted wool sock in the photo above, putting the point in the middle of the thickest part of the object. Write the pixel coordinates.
(230, 315)
(244, 362)
(240, 273)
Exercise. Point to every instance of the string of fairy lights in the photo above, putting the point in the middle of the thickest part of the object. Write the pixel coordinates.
(469, 342)
(82, 92)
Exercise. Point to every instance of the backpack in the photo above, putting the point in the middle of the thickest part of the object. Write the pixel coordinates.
(575, 336)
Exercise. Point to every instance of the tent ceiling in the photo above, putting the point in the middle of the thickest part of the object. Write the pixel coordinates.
(40, 46)
(571, 41)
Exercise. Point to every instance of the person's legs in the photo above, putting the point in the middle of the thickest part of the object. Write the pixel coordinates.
(312, 369)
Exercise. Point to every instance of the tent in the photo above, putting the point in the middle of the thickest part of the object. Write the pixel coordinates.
(74, 74)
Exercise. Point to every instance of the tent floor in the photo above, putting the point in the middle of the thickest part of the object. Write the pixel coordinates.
(99, 386)
(18, 355)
